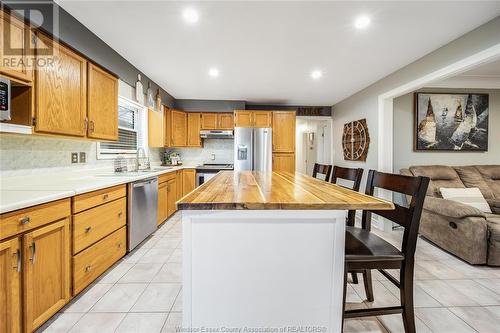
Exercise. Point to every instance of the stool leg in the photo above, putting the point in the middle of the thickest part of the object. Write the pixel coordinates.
(367, 280)
(354, 278)
(406, 293)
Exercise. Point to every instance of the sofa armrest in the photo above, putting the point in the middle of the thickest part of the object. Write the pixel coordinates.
(494, 205)
(449, 208)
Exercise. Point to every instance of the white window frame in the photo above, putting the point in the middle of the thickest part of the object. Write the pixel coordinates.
(139, 121)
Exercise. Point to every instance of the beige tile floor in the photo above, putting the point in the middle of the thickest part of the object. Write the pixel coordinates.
(143, 293)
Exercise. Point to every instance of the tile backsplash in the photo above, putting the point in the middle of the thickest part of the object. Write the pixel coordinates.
(222, 149)
(27, 154)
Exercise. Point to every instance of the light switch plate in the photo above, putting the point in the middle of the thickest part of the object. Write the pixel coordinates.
(212, 157)
(83, 157)
(74, 157)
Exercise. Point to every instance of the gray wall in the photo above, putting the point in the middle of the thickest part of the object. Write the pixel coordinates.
(364, 104)
(208, 105)
(404, 154)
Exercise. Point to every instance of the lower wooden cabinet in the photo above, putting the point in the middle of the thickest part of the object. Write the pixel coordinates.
(188, 180)
(171, 196)
(178, 179)
(284, 162)
(46, 265)
(10, 288)
(162, 203)
(95, 260)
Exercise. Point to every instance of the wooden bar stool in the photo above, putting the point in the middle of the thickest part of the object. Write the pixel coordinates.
(322, 169)
(366, 251)
(353, 175)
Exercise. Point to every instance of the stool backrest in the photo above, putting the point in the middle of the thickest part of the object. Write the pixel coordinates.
(407, 217)
(353, 175)
(323, 169)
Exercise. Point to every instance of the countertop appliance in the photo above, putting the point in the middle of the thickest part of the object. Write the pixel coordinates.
(253, 149)
(206, 171)
(142, 210)
(5, 93)
(216, 134)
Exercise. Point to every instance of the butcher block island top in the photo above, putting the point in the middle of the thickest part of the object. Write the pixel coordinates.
(230, 190)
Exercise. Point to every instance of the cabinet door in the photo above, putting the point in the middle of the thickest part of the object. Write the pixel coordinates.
(102, 104)
(179, 128)
(171, 196)
(188, 181)
(167, 126)
(14, 34)
(193, 129)
(162, 202)
(283, 131)
(178, 179)
(243, 119)
(156, 128)
(10, 289)
(46, 266)
(284, 162)
(262, 119)
(61, 92)
(225, 121)
(208, 121)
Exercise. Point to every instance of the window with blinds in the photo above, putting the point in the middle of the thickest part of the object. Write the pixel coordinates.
(128, 132)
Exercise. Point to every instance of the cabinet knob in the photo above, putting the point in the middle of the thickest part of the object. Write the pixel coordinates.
(24, 220)
(105, 197)
(87, 230)
(119, 245)
(88, 268)
(18, 260)
(120, 214)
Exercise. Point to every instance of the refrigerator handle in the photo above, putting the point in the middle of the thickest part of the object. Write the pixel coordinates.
(252, 134)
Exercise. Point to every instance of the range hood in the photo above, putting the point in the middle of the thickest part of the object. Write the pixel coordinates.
(216, 134)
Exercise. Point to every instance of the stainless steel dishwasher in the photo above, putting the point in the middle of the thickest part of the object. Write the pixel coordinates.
(142, 210)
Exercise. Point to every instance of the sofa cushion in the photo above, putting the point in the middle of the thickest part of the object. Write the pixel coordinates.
(440, 175)
(494, 205)
(491, 174)
(471, 177)
(468, 196)
(493, 221)
(450, 208)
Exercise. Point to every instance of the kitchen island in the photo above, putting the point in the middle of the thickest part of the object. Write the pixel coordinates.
(264, 252)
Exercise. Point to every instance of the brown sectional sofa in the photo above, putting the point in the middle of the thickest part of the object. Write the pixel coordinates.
(460, 229)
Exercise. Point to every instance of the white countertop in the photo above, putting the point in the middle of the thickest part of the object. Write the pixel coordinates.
(21, 192)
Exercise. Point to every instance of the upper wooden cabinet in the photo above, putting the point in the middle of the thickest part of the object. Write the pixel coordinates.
(283, 131)
(15, 36)
(209, 121)
(10, 288)
(193, 129)
(46, 264)
(253, 118)
(225, 121)
(61, 92)
(178, 126)
(156, 129)
(102, 104)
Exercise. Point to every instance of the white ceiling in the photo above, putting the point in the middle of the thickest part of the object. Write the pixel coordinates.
(265, 51)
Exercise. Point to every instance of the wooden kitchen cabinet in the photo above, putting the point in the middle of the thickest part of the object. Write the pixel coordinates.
(179, 126)
(46, 267)
(162, 203)
(10, 287)
(61, 92)
(225, 121)
(262, 118)
(102, 104)
(188, 181)
(209, 121)
(171, 196)
(178, 179)
(156, 128)
(193, 129)
(14, 66)
(284, 162)
(243, 119)
(283, 131)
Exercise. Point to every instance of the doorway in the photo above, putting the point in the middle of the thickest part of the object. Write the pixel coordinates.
(314, 143)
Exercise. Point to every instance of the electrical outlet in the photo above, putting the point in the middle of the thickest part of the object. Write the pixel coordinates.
(83, 157)
(74, 157)
(212, 157)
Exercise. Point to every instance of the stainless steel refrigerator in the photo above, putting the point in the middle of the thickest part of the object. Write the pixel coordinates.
(253, 149)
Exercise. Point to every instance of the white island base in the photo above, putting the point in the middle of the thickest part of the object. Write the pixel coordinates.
(263, 270)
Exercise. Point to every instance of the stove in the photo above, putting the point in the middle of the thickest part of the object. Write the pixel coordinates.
(206, 171)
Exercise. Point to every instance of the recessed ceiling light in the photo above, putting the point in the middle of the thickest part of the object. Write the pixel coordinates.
(190, 15)
(213, 72)
(316, 74)
(362, 22)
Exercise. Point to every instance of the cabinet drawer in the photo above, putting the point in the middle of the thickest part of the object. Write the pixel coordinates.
(94, 224)
(88, 200)
(19, 221)
(166, 177)
(92, 262)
